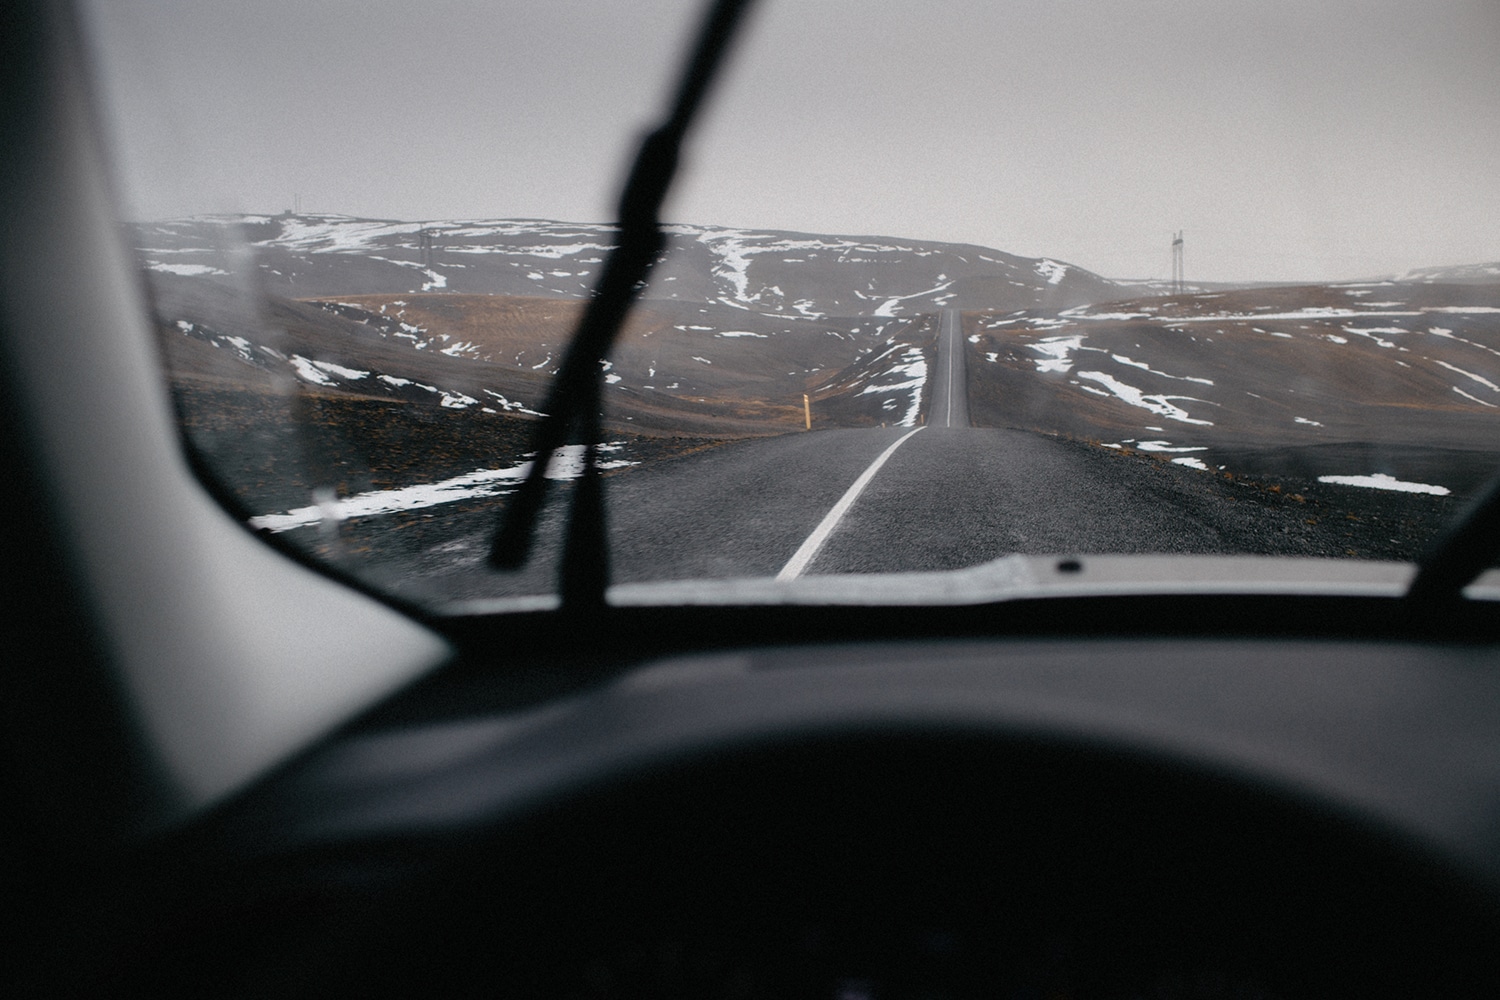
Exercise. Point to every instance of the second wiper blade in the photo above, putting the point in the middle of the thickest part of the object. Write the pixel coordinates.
(1462, 552)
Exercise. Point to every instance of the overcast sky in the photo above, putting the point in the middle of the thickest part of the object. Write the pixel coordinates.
(1290, 139)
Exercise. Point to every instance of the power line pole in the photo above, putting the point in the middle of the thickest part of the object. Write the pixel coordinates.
(1177, 273)
(424, 244)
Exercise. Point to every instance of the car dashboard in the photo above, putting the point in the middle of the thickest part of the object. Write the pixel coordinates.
(1016, 817)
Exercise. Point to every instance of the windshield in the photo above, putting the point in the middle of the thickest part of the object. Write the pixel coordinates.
(941, 283)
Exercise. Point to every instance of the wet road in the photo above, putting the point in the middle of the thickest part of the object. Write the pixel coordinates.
(940, 496)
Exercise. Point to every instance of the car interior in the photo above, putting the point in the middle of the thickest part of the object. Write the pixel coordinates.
(234, 772)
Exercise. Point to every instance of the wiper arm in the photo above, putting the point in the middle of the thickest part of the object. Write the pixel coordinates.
(1461, 552)
(573, 403)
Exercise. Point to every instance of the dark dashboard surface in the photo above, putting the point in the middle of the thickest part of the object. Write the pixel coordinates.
(964, 818)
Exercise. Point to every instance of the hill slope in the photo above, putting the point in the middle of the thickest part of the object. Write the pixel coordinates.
(1393, 378)
(793, 275)
(464, 323)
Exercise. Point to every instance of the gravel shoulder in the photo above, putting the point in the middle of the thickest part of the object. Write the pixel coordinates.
(1288, 514)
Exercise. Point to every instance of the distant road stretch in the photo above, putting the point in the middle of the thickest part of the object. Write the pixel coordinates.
(950, 386)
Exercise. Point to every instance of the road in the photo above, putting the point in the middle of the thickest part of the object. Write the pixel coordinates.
(950, 394)
(941, 496)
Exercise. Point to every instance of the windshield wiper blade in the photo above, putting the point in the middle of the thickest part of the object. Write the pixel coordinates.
(1463, 551)
(573, 404)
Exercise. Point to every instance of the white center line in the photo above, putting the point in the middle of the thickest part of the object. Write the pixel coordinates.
(951, 363)
(804, 555)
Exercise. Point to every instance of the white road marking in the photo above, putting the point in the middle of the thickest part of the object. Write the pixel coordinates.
(950, 342)
(804, 555)
(947, 316)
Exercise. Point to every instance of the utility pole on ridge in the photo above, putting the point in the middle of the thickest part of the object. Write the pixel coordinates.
(424, 246)
(1177, 274)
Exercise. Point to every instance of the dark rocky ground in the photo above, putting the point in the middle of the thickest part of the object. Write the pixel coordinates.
(1287, 514)
(270, 451)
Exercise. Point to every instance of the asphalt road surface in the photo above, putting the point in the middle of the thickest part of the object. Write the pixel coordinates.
(941, 496)
(944, 499)
(950, 393)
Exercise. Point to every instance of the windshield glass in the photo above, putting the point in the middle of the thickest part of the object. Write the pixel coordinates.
(942, 283)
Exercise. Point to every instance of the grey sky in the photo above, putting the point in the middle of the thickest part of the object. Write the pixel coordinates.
(1291, 140)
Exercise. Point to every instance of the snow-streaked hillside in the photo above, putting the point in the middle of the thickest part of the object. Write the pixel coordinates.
(678, 367)
(735, 327)
(795, 275)
(1379, 378)
(1398, 376)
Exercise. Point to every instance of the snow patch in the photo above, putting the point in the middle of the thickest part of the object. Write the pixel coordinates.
(567, 463)
(313, 371)
(508, 404)
(1167, 446)
(1475, 399)
(1122, 359)
(1477, 378)
(184, 270)
(1380, 481)
(1052, 270)
(1160, 405)
(1057, 353)
(1373, 333)
(912, 365)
